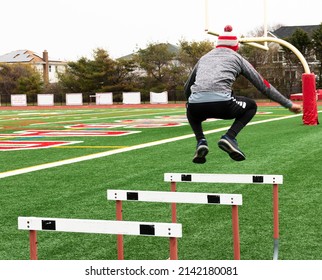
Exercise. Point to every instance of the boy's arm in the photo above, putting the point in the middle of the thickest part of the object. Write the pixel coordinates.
(190, 82)
(249, 72)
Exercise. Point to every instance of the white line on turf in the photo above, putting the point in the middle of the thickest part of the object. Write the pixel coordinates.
(122, 150)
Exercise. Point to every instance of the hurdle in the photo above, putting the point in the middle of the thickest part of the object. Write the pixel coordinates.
(179, 197)
(34, 224)
(274, 180)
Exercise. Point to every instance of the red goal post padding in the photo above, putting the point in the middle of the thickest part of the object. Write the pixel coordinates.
(310, 113)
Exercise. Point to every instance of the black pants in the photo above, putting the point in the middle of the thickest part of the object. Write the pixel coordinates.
(240, 108)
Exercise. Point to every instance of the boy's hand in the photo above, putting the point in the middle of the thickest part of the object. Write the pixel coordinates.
(296, 108)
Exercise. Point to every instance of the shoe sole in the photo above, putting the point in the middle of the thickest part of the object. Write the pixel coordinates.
(231, 150)
(200, 155)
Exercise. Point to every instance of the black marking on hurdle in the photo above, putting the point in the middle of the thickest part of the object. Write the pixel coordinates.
(132, 196)
(147, 230)
(48, 225)
(186, 178)
(213, 199)
(258, 179)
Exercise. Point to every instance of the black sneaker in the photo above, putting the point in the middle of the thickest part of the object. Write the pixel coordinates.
(201, 152)
(230, 146)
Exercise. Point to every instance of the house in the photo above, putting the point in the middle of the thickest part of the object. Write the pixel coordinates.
(285, 32)
(48, 68)
(293, 71)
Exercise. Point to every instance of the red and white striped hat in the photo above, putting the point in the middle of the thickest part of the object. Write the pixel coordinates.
(228, 39)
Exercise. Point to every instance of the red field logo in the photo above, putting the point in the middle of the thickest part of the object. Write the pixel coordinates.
(27, 145)
(67, 133)
(93, 126)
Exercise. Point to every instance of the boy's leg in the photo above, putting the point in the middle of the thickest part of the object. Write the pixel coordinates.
(241, 109)
(195, 118)
(195, 121)
(244, 110)
(201, 152)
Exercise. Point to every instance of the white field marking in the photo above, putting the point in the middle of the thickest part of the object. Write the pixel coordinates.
(103, 118)
(123, 150)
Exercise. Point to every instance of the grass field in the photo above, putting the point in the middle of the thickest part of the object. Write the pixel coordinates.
(78, 190)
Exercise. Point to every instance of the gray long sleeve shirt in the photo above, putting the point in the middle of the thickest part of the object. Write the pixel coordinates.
(215, 73)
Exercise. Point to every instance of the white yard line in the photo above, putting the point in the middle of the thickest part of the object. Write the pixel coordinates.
(122, 150)
(93, 114)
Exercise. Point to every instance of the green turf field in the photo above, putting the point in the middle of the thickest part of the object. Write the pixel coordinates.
(78, 190)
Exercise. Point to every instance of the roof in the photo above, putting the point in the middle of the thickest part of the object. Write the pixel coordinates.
(171, 48)
(23, 56)
(287, 31)
(18, 56)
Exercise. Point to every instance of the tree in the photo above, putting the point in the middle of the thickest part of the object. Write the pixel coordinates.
(157, 66)
(77, 77)
(317, 47)
(155, 59)
(99, 74)
(87, 75)
(123, 77)
(20, 78)
(102, 68)
(299, 39)
(191, 52)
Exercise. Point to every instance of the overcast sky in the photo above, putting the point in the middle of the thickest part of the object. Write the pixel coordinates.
(70, 29)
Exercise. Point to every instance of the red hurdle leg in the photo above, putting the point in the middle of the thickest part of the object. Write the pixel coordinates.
(236, 239)
(119, 217)
(173, 248)
(173, 240)
(33, 244)
(275, 220)
(275, 211)
(173, 205)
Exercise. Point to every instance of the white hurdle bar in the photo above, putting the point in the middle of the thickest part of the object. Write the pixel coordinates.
(223, 178)
(179, 197)
(34, 224)
(260, 179)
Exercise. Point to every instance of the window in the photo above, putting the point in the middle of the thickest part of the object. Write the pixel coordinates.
(290, 75)
(278, 57)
